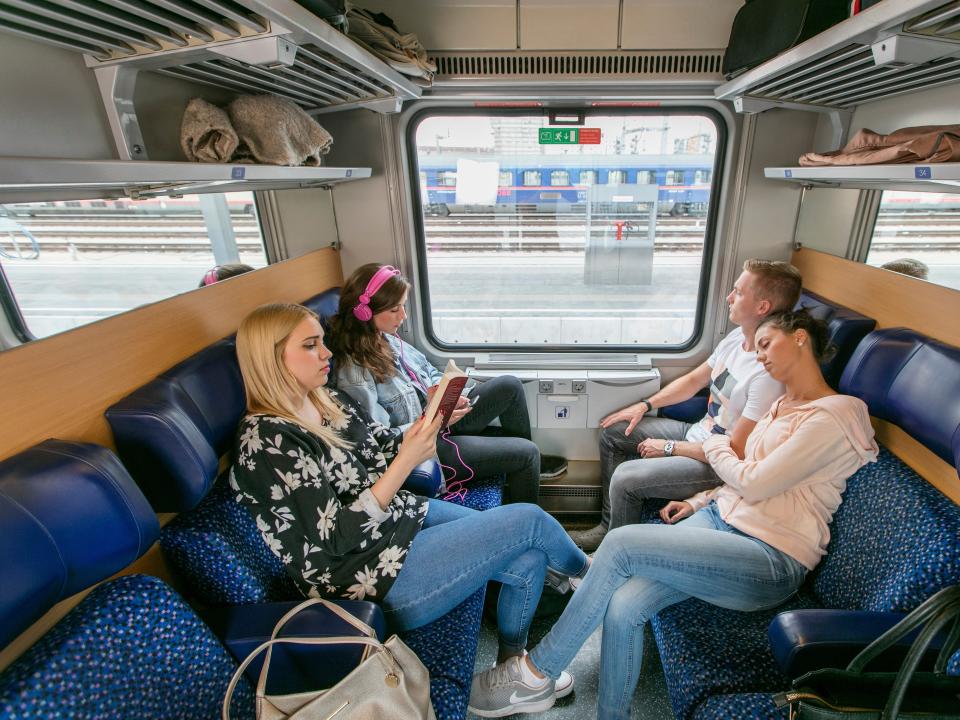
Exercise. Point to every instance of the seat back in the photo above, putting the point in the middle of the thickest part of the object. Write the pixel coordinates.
(895, 537)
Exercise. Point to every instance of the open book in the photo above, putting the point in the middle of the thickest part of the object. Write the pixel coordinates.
(444, 400)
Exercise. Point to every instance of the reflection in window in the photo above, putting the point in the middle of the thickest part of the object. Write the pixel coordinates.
(531, 177)
(575, 254)
(616, 177)
(71, 263)
(918, 227)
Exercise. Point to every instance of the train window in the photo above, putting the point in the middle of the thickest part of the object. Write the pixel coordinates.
(70, 263)
(914, 233)
(616, 177)
(701, 176)
(531, 177)
(614, 259)
(674, 177)
(506, 179)
(447, 178)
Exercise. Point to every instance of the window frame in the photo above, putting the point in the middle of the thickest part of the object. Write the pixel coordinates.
(421, 277)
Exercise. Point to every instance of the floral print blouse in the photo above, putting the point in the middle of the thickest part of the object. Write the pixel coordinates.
(313, 505)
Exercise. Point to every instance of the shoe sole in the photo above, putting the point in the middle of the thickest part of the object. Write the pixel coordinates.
(563, 693)
(552, 475)
(531, 707)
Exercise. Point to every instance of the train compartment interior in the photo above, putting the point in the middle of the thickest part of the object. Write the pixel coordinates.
(571, 189)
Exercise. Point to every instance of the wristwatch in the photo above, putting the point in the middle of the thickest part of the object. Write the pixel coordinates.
(648, 404)
(668, 448)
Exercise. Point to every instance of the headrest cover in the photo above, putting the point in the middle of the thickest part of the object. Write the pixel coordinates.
(913, 382)
(71, 517)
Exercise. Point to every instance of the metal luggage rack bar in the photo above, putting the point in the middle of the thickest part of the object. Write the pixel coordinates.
(890, 49)
(261, 46)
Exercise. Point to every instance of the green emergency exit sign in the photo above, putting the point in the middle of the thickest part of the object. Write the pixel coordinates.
(569, 136)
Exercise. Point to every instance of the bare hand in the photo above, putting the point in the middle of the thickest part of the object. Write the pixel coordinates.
(420, 440)
(463, 407)
(676, 510)
(630, 415)
(651, 448)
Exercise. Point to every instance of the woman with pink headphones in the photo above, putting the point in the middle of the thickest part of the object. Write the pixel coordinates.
(392, 381)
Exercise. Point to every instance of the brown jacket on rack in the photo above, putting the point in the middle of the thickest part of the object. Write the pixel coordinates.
(922, 144)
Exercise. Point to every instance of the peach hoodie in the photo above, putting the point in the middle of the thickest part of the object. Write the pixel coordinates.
(795, 469)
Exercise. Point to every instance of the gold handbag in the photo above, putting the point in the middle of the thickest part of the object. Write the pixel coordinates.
(389, 682)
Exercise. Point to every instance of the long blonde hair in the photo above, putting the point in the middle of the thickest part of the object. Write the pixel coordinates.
(269, 386)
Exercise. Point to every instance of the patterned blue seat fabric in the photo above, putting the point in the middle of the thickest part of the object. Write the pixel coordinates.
(893, 540)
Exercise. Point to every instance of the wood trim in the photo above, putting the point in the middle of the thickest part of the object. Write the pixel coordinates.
(60, 386)
(939, 473)
(892, 299)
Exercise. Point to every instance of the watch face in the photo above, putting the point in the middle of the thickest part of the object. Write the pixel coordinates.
(668, 447)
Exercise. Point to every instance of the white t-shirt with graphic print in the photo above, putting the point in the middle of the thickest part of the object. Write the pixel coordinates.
(739, 386)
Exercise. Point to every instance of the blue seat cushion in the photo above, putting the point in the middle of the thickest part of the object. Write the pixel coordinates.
(483, 494)
(893, 541)
(707, 650)
(740, 706)
(132, 649)
(71, 517)
(846, 329)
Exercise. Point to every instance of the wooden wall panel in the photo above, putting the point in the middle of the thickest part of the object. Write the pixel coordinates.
(60, 386)
(893, 300)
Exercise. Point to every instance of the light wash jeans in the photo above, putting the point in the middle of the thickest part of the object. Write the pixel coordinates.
(458, 550)
(641, 569)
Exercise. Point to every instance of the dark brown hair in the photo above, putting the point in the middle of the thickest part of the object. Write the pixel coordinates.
(817, 331)
(359, 341)
(776, 281)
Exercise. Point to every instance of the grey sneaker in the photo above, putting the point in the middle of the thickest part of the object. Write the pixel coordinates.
(501, 691)
(560, 583)
(552, 466)
(589, 540)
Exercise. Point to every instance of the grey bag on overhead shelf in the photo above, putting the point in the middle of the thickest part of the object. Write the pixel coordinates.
(206, 134)
(401, 51)
(277, 131)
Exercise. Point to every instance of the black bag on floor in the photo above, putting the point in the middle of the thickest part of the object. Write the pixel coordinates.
(763, 29)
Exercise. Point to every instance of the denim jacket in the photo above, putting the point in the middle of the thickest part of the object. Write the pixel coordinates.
(398, 401)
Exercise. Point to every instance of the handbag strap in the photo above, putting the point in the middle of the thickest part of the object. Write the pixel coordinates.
(946, 615)
(373, 643)
(921, 615)
(950, 646)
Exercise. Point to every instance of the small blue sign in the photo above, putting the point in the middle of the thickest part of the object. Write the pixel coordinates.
(788, 173)
(922, 173)
(349, 173)
(238, 173)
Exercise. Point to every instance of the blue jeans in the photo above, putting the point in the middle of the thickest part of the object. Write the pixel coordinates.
(641, 569)
(458, 550)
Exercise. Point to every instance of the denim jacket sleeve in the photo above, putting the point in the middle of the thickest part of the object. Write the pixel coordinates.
(359, 384)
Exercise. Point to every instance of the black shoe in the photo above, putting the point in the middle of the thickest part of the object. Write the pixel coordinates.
(552, 466)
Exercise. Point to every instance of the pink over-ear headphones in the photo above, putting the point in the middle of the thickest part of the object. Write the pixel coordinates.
(211, 277)
(361, 310)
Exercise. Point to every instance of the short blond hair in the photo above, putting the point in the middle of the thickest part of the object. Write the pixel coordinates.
(269, 386)
(776, 281)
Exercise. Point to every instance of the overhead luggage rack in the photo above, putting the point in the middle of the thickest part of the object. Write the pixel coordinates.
(931, 177)
(39, 179)
(892, 48)
(250, 46)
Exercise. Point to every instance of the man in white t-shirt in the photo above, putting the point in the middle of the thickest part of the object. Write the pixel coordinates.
(653, 457)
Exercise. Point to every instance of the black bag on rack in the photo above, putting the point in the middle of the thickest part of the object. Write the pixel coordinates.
(763, 29)
(856, 694)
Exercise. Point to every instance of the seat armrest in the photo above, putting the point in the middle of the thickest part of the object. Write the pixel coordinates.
(426, 479)
(243, 628)
(806, 640)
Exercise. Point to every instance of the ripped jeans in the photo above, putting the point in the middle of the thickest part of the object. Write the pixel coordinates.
(458, 550)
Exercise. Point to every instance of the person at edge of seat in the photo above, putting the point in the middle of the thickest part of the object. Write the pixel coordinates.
(392, 381)
(222, 272)
(323, 483)
(741, 391)
(745, 545)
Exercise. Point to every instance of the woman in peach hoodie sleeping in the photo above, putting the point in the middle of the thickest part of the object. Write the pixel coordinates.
(745, 545)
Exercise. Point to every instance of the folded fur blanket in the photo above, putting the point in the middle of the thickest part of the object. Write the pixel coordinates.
(255, 129)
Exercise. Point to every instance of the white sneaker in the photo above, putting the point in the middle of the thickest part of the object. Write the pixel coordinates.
(563, 685)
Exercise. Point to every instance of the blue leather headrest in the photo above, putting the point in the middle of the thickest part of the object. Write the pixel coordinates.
(325, 305)
(171, 432)
(913, 382)
(847, 328)
(71, 517)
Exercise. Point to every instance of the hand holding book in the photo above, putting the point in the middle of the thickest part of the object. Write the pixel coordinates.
(445, 396)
